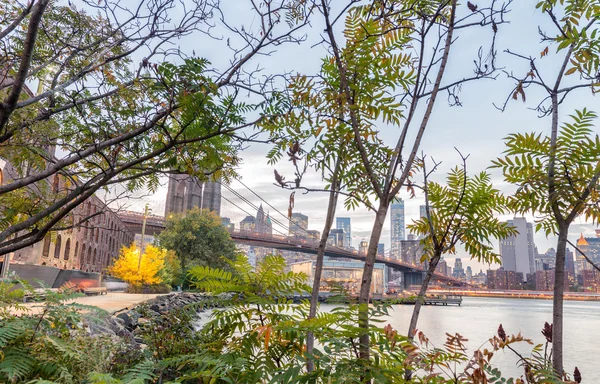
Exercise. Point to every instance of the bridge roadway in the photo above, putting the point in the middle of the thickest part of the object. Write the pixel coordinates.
(310, 246)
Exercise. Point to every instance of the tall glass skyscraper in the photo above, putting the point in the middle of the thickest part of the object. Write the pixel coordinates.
(396, 227)
(343, 223)
(422, 211)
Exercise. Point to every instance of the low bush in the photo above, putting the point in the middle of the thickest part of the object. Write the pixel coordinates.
(154, 288)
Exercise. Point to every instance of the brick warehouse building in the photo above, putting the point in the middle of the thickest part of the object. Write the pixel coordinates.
(90, 247)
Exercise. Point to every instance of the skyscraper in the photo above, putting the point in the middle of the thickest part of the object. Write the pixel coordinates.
(459, 272)
(396, 226)
(343, 223)
(299, 225)
(263, 222)
(591, 247)
(363, 247)
(518, 252)
(381, 249)
(336, 238)
(422, 211)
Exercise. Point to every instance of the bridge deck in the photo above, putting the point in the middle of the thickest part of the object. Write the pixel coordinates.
(311, 246)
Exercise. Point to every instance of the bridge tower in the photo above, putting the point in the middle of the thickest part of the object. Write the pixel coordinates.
(186, 192)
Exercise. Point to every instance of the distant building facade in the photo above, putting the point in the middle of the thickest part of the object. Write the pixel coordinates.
(544, 280)
(442, 267)
(591, 247)
(422, 211)
(363, 247)
(313, 234)
(248, 224)
(479, 279)
(298, 225)
(336, 238)
(518, 251)
(502, 279)
(545, 261)
(459, 272)
(591, 280)
(263, 222)
(397, 231)
(345, 225)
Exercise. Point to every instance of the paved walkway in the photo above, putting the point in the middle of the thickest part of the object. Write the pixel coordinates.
(111, 302)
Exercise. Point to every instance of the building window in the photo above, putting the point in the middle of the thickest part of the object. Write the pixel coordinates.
(57, 247)
(82, 257)
(94, 259)
(67, 249)
(76, 249)
(46, 249)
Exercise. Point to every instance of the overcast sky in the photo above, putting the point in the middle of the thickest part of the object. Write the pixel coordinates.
(477, 128)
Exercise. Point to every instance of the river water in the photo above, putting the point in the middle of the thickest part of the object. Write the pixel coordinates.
(478, 319)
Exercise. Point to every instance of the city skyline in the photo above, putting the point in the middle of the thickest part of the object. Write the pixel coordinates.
(478, 130)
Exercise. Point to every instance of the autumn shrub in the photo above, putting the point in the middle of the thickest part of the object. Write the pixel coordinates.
(139, 270)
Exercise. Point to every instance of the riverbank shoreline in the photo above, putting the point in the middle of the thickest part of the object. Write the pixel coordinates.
(571, 296)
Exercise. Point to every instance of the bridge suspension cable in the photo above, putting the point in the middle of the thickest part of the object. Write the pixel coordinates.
(254, 206)
(272, 207)
(248, 213)
(251, 204)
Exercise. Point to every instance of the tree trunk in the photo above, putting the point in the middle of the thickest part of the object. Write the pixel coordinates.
(314, 298)
(557, 310)
(412, 328)
(365, 286)
(419, 303)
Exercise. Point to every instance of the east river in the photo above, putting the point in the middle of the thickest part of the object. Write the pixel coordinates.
(478, 319)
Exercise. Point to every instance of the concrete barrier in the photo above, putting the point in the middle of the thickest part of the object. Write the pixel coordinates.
(79, 278)
(51, 277)
(37, 275)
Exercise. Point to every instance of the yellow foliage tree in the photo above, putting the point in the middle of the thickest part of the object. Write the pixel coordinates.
(126, 266)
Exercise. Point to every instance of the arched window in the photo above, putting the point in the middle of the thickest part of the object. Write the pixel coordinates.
(94, 259)
(82, 257)
(67, 249)
(57, 247)
(89, 255)
(46, 248)
(76, 249)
